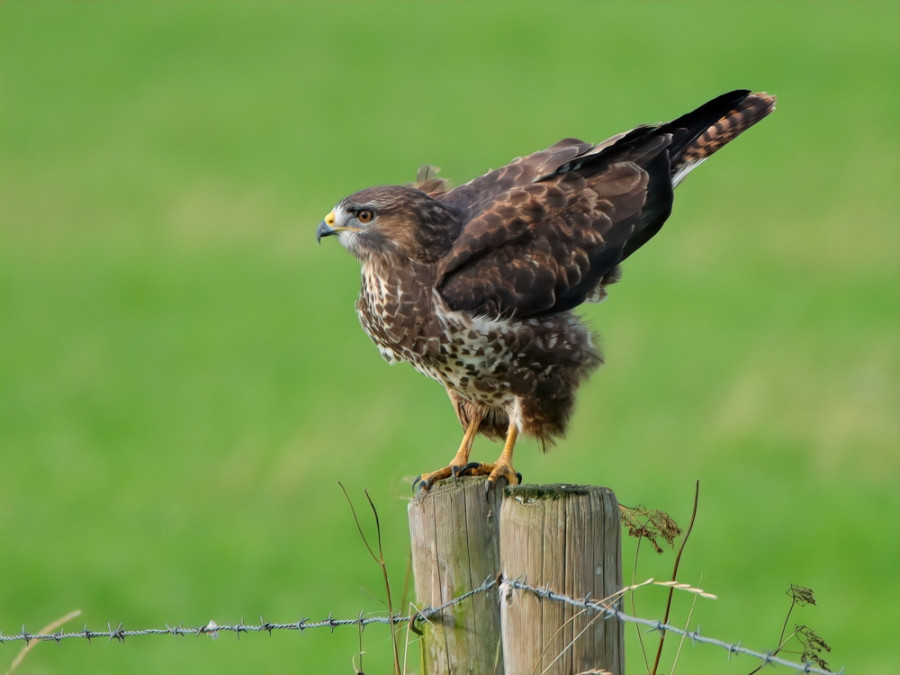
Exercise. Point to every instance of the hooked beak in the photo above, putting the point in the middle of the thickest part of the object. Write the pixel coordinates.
(326, 228)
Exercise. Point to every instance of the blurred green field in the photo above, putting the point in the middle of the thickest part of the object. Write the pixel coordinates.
(183, 379)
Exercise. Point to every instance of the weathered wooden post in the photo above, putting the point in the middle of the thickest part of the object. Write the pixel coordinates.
(455, 547)
(562, 537)
(565, 538)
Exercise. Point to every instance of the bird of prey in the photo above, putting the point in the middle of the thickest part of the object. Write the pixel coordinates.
(475, 286)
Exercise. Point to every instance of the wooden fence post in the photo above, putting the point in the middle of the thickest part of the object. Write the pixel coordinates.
(455, 547)
(562, 537)
(565, 538)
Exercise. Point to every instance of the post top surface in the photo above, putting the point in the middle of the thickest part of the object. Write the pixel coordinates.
(553, 491)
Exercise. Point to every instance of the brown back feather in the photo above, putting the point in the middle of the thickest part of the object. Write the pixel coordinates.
(546, 230)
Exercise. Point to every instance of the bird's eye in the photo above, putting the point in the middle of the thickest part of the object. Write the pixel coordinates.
(364, 215)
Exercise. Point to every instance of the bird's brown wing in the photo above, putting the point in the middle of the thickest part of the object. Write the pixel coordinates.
(543, 244)
(481, 192)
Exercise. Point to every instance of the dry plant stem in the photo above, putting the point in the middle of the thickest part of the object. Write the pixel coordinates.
(497, 658)
(406, 642)
(358, 669)
(686, 624)
(404, 602)
(687, 534)
(387, 585)
(598, 617)
(608, 602)
(634, 605)
(782, 641)
(568, 646)
(46, 629)
(378, 558)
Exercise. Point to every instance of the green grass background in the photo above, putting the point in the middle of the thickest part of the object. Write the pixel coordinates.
(183, 379)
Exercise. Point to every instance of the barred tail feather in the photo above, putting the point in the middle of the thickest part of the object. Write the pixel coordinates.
(745, 110)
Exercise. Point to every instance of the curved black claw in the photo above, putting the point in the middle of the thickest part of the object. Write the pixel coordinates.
(490, 483)
(468, 467)
(424, 482)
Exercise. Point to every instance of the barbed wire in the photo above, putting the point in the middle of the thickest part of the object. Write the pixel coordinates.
(694, 636)
(213, 629)
(120, 633)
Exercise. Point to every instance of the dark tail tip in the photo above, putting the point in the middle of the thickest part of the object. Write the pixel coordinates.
(700, 133)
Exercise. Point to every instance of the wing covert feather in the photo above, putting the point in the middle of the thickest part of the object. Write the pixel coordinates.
(545, 246)
(479, 193)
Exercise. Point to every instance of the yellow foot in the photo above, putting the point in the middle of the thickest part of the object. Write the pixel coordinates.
(492, 471)
(498, 469)
(426, 480)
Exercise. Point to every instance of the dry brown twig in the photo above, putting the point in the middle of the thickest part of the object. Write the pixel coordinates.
(813, 645)
(378, 558)
(662, 638)
(652, 525)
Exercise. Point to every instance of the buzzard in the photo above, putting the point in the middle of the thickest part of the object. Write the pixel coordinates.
(475, 287)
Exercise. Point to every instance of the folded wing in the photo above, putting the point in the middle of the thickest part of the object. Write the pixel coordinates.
(548, 230)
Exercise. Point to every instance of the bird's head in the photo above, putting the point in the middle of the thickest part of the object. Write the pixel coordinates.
(392, 221)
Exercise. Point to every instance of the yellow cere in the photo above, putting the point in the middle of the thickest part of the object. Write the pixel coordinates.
(329, 219)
